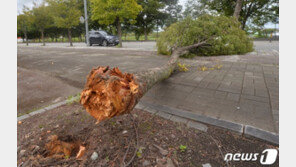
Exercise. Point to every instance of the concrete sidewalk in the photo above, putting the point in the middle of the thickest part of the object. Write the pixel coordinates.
(244, 90)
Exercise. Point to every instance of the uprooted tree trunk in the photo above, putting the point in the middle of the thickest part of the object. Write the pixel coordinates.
(109, 92)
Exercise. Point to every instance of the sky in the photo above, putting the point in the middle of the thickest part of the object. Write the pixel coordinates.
(29, 3)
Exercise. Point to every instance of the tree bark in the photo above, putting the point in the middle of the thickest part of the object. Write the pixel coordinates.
(109, 92)
(238, 8)
(70, 36)
(26, 37)
(80, 38)
(248, 14)
(145, 32)
(42, 37)
(119, 31)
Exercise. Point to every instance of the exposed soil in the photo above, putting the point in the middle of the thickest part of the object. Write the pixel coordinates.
(161, 142)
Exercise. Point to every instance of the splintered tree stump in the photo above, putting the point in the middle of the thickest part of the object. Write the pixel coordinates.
(109, 92)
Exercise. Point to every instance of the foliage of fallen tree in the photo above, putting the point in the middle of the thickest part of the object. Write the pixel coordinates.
(223, 34)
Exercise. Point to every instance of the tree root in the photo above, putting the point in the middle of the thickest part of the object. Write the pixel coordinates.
(137, 144)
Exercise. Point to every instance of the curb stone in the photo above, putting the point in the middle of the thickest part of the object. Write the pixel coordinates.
(151, 110)
(164, 115)
(262, 134)
(198, 126)
(179, 119)
(235, 127)
(245, 130)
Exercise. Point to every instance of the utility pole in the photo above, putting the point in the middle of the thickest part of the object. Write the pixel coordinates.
(86, 23)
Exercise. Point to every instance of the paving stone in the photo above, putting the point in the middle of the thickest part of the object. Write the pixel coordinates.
(249, 73)
(198, 79)
(228, 89)
(248, 91)
(254, 104)
(275, 105)
(213, 85)
(183, 88)
(203, 84)
(275, 114)
(233, 97)
(261, 92)
(220, 94)
(198, 126)
(226, 82)
(255, 98)
(203, 92)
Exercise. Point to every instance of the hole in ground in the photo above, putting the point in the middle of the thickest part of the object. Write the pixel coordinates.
(62, 146)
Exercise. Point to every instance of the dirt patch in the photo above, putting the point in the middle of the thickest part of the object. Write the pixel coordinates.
(161, 142)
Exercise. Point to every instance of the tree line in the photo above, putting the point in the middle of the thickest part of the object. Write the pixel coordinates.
(61, 18)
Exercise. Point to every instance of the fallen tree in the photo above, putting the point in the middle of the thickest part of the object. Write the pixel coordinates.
(223, 34)
(109, 92)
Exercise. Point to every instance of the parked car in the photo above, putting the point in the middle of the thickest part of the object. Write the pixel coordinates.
(102, 38)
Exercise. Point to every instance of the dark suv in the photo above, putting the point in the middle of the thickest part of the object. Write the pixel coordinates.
(102, 38)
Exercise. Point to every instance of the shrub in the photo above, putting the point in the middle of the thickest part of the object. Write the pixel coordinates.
(223, 34)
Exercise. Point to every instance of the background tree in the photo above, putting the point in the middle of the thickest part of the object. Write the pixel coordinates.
(40, 18)
(23, 25)
(65, 14)
(115, 11)
(147, 18)
(252, 11)
(173, 12)
(193, 9)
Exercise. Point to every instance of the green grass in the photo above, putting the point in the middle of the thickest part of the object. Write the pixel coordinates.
(127, 37)
(49, 40)
(131, 37)
(182, 148)
(71, 99)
